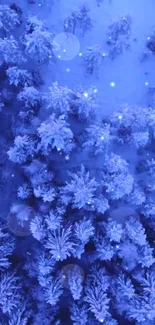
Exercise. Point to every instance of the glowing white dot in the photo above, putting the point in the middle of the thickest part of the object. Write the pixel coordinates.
(88, 202)
(95, 90)
(102, 137)
(112, 84)
(12, 175)
(68, 70)
(117, 246)
(64, 50)
(50, 56)
(148, 38)
(85, 94)
(66, 25)
(58, 149)
(67, 157)
(103, 54)
(146, 83)
(109, 37)
(101, 320)
(120, 117)
(80, 54)
(39, 4)
(59, 56)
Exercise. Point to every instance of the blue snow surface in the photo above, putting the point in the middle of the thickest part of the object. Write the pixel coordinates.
(77, 190)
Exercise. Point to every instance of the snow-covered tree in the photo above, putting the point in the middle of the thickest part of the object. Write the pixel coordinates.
(85, 105)
(9, 51)
(44, 191)
(58, 99)
(54, 219)
(38, 173)
(115, 164)
(119, 36)
(30, 96)
(93, 57)
(8, 19)
(37, 228)
(23, 148)
(140, 139)
(7, 246)
(24, 191)
(84, 230)
(19, 77)
(80, 191)
(32, 23)
(55, 133)
(101, 204)
(53, 291)
(39, 45)
(78, 19)
(79, 314)
(60, 243)
(75, 282)
(119, 185)
(96, 296)
(10, 292)
(98, 138)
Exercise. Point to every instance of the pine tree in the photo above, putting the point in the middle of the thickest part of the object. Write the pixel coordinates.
(23, 148)
(9, 51)
(19, 77)
(80, 190)
(39, 45)
(9, 19)
(93, 57)
(55, 133)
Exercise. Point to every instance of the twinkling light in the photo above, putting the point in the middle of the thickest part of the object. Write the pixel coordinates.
(103, 54)
(39, 4)
(112, 84)
(59, 56)
(120, 117)
(50, 56)
(95, 90)
(68, 70)
(64, 50)
(146, 83)
(148, 38)
(85, 94)
(80, 54)
(102, 137)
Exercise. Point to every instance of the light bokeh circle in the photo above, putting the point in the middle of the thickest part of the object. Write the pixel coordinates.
(19, 219)
(66, 46)
(70, 268)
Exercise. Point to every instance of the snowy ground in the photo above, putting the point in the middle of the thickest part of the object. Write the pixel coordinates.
(127, 70)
